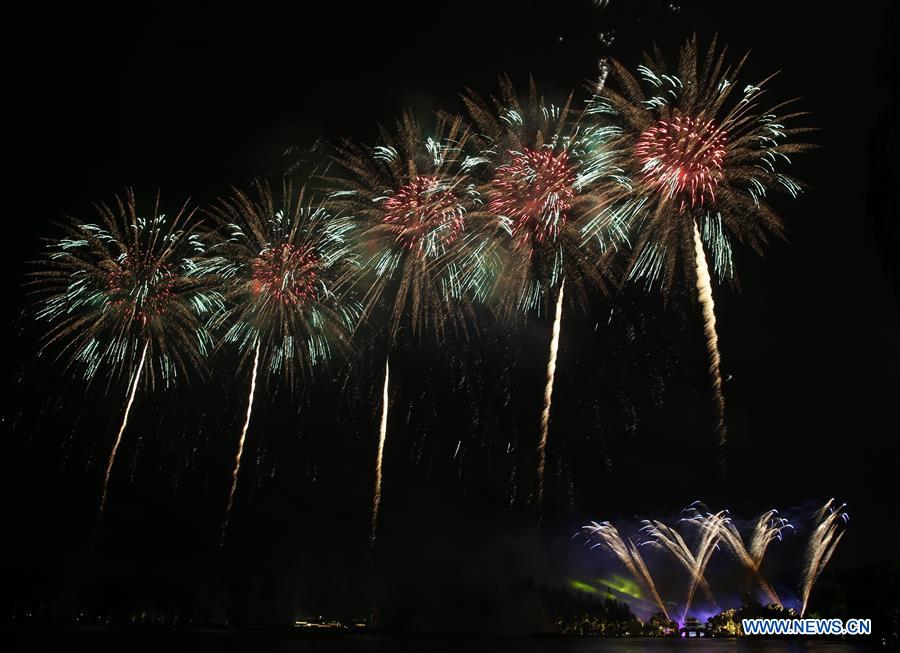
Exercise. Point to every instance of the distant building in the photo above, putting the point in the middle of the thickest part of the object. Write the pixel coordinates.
(692, 628)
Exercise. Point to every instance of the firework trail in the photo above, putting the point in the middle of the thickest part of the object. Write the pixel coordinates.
(694, 562)
(282, 266)
(379, 458)
(115, 448)
(768, 528)
(240, 450)
(697, 164)
(628, 554)
(704, 293)
(822, 543)
(548, 393)
(122, 300)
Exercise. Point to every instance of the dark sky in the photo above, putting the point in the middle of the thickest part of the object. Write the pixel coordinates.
(191, 101)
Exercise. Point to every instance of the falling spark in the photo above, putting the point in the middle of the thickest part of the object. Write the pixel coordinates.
(629, 555)
(822, 543)
(382, 436)
(548, 394)
(704, 293)
(240, 451)
(112, 454)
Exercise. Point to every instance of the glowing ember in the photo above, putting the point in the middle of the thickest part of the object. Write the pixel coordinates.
(287, 273)
(424, 213)
(683, 158)
(535, 192)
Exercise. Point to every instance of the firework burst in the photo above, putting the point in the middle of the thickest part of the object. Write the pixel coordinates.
(413, 200)
(547, 179)
(699, 156)
(123, 302)
(415, 205)
(283, 266)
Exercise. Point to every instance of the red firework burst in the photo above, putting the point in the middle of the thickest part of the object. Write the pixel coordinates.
(287, 273)
(682, 158)
(422, 213)
(140, 285)
(535, 191)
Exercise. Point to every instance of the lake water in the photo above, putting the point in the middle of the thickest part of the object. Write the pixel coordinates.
(101, 641)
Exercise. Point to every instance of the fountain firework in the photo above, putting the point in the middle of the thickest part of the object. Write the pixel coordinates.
(768, 528)
(695, 562)
(823, 541)
(628, 553)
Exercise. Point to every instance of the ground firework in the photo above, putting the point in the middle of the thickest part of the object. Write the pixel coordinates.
(627, 552)
(283, 266)
(768, 528)
(123, 301)
(694, 561)
(413, 200)
(823, 541)
(547, 179)
(699, 155)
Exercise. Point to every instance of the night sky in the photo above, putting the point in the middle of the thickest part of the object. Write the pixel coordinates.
(193, 101)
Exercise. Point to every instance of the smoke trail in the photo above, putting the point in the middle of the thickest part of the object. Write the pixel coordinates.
(240, 451)
(822, 543)
(704, 293)
(629, 555)
(548, 395)
(382, 436)
(112, 454)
